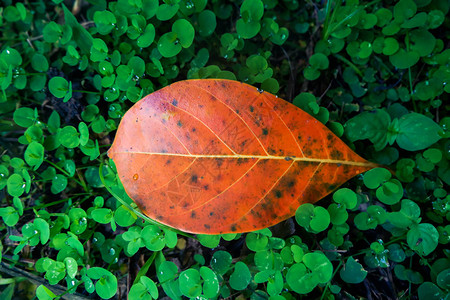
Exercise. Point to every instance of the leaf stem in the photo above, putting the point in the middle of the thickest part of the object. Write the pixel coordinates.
(349, 63)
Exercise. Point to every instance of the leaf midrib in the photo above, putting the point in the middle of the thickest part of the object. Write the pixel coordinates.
(239, 156)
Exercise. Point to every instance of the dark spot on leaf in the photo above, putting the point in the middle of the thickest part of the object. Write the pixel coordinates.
(329, 137)
(160, 217)
(172, 207)
(168, 161)
(174, 102)
(206, 187)
(233, 228)
(291, 183)
(265, 131)
(211, 213)
(219, 161)
(137, 120)
(194, 178)
(237, 111)
(336, 155)
(207, 226)
(179, 124)
(193, 129)
(278, 194)
(252, 108)
(193, 214)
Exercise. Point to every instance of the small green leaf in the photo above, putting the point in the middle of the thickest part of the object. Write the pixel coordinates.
(39, 62)
(58, 86)
(106, 285)
(221, 262)
(190, 284)
(241, 276)
(417, 132)
(24, 116)
(34, 155)
(206, 23)
(404, 59)
(423, 238)
(353, 272)
(168, 44)
(210, 241)
(184, 31)
(105, 21)
(15, 185)
(43, 293)
(68, 137)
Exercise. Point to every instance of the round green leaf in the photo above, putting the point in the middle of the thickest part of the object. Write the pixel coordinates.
(210, 283)
(147, 38)
(346, 197)
(210, 241)
(320, 265)
(58, 86)
(39, 62)
(68, 137)
(59, 183)
(403, 59)
(153, 238)
(353, 272)
(429, 291)
(422, 41)
(166, 12)
(247, 30)
(252, 10)
(221, 261)
(256, 241)
(105, 21)
(241, 276)
(375, 177)
(319, 61)
(124, 217)
(190, 284)
(106, 285)
(206, 23)
(24, 116)
(185, 32)
(423, 238)
(34, 155)
(299, 280)
(168, 44)
(15, 185)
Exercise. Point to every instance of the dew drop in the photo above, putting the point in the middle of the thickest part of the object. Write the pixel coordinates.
(260, 91)
(112, 251)
(135, 176)
(94, 240)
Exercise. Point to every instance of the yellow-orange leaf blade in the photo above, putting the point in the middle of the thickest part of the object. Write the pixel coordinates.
(219, 156)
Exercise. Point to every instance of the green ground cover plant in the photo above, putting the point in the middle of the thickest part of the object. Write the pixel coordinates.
(376, 73)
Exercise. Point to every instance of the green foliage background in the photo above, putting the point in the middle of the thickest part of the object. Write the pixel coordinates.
(375, 73)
